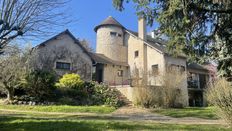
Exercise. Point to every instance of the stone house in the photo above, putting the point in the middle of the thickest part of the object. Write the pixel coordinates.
(63, 53)
(120, 54)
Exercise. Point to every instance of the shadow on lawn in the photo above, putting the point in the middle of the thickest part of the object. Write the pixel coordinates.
(30, 123)
(8, 123)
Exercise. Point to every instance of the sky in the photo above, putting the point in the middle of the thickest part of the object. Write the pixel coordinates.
(89, 13)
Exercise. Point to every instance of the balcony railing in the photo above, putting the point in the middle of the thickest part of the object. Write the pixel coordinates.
(193, 84)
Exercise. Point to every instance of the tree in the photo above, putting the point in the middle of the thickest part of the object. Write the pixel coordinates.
(29, 18)
(12, 70)
(85, 43)
(200, 29)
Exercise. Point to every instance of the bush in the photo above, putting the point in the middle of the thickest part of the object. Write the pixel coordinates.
(71, 81)
(107, 96)
(39, 84)
(71, 86)
(219, 94)
(75, 91)
(169, 94)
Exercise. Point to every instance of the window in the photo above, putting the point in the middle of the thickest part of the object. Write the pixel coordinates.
(177, 68)
(120, 73)
(182, 68)
(136, 54)
(113, 33)
(62, 65)
(155, 70)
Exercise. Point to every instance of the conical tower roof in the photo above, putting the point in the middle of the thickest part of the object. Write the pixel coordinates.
(109, 21)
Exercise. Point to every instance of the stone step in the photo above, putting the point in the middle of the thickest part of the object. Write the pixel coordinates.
(125, 99)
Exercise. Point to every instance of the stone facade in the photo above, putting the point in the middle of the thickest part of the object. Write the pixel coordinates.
(142, 54)
(111, 47)
(62, 48)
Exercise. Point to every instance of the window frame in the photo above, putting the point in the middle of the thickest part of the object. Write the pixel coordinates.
(120, 73)
(114, 34)
(62, 65)
(156, 67)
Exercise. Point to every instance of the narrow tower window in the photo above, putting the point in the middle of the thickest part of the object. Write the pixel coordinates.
(113, 33)
(136, 54)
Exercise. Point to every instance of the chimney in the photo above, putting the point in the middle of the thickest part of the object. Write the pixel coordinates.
(142, 31)
(153, 34)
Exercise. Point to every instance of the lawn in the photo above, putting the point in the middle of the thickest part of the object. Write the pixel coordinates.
(63, 108)
(198, 112)
(69, 120)
(10, 122)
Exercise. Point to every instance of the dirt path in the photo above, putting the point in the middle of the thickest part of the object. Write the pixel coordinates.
(131, 114)
(140, 114)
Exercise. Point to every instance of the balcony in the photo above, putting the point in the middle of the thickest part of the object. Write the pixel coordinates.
(193, 84)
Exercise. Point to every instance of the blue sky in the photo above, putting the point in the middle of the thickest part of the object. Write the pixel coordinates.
(89, 13)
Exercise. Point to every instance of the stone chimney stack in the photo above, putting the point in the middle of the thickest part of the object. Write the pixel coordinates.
(142, 31)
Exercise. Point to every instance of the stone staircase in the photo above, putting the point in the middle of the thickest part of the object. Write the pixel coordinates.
(125, 99)
(125, 94)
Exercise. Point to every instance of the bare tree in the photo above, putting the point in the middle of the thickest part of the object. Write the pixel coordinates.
(29, 18)
(12, 70)
(86, 44)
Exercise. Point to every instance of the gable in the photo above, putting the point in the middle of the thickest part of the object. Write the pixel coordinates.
(65, 39)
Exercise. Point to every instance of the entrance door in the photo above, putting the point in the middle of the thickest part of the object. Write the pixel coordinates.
(99, 75)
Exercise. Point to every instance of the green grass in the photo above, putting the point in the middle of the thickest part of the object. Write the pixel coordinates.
(40, 121)
(198, 112)
(63, 108)
(12, 122)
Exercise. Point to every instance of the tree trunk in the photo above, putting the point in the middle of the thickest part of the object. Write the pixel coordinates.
(10, 95)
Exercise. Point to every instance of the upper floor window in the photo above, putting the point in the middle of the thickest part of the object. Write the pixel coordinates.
(120, 73)
(155, 69)
(136, 53)
(63, 65)
(115, 34)
(177, 68)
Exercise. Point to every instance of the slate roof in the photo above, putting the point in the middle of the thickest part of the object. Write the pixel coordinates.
(102, 59)
(108, 21)
(196, 67)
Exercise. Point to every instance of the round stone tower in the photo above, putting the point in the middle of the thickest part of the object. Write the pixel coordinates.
(110, 41)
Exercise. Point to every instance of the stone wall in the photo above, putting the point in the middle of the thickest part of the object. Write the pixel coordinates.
(169, 60)
(62, 49)
(111, 77)
(112, 47)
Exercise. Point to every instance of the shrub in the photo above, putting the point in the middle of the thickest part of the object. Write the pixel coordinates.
(72, 86)
(39, 84)
(71, 81)
(219, 94)
(169, 94)
(75, 91)
(107, 96)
